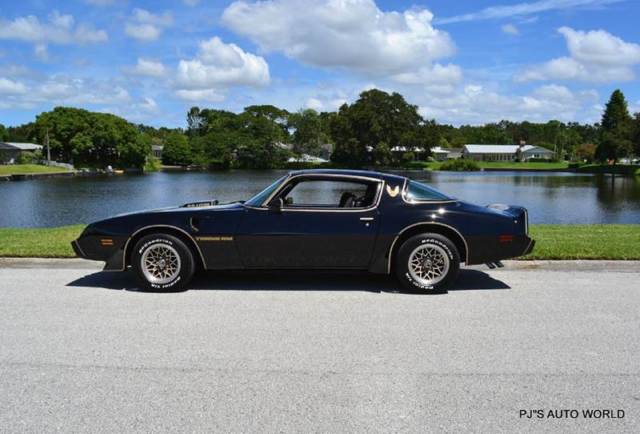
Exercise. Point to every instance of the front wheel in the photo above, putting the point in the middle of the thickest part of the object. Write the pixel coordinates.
(427, 263)
(162, 263)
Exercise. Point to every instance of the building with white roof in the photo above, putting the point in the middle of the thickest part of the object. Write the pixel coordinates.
(10, 151)
(505, 152)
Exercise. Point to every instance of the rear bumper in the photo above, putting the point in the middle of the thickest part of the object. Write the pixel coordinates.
(530, 247)
(485, 249)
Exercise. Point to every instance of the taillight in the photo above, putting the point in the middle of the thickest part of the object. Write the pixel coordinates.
(505, 238)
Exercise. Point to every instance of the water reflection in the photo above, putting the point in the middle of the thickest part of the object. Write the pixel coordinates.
(550, 197)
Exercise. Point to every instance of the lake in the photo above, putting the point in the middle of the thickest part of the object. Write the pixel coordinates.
(550, 197)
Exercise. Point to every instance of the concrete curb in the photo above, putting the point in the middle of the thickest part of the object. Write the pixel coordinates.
(56, 263)
(578, 265)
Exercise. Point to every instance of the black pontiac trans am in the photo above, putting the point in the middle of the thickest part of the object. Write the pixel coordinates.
(314, 219)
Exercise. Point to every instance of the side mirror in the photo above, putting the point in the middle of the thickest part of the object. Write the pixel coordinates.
(276, 205)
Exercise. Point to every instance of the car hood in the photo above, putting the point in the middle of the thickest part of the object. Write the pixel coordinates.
(189, 207)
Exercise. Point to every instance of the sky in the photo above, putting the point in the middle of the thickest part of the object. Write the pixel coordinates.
(460, 62)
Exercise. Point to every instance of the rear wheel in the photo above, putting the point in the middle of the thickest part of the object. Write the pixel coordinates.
(162, 263)
(427, 263)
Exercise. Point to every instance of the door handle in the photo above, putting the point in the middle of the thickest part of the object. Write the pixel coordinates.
(366, 219)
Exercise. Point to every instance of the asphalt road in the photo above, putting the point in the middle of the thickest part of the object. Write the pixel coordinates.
(80, 351)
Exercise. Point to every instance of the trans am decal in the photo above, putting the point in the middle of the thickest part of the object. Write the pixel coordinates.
(393, 192)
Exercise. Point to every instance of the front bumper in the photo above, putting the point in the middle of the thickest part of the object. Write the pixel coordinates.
(92, 247)
(77, 250)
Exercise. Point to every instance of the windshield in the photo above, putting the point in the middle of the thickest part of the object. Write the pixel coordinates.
(259, 198)
(418, 192)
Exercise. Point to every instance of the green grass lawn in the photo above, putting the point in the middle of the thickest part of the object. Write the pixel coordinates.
(552, 242)
(38, 242)
(523, 165)
(586, 242)
(22, 169)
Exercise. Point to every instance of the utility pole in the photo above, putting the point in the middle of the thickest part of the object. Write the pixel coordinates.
(46, 141)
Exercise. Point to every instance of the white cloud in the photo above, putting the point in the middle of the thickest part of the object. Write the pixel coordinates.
(600, 47)
(510, 29)
(595, 56)
(146, 26)
(147, 67)
(314, 103)
(143, 110)
(61, 89)
(64, 89)
(476, 104)
(202, 95)
(325, 103)
(217, 67)
(522, 9)
(351, 34)
(59, 29)
(148, 104)
(11, 87)
(41, 52)
(435, 77)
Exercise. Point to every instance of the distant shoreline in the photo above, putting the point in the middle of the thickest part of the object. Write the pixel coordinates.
(620, 170)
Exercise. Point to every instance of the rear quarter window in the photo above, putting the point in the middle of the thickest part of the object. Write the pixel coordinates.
(418, 192)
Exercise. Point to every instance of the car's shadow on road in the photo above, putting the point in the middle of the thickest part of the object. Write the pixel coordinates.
(468, 280)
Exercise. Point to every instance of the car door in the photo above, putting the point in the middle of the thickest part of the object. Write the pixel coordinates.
(311, 235)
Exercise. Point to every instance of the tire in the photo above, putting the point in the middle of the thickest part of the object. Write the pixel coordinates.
(439, 259)
(162, 262)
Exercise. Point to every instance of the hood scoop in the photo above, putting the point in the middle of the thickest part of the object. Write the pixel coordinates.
(201, 204)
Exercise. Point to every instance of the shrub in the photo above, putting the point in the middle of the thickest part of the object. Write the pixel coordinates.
(28, 157)
(460, 165)
(415, 165)
(152, 164)
(300, 165)
(539, 160)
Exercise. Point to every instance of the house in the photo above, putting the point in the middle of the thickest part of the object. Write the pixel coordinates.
(537, 152)
(417, 152)
(10, 151)
(306, 158)
(156, 151)
(505, 152)
(442, 154)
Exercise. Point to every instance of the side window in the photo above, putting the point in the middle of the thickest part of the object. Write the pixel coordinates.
(322, 193)
(417, 192)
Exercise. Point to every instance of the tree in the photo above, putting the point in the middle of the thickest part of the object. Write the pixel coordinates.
(4, 135)
(636, 134)
(310, 133)
(586, 152)
(91, 139)
(261, 142)
(136, 152)
(443, 143)
(195, 121)
(375, 118)
(176, 150)
(382, 155)
(615, 129)
(350, 152)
